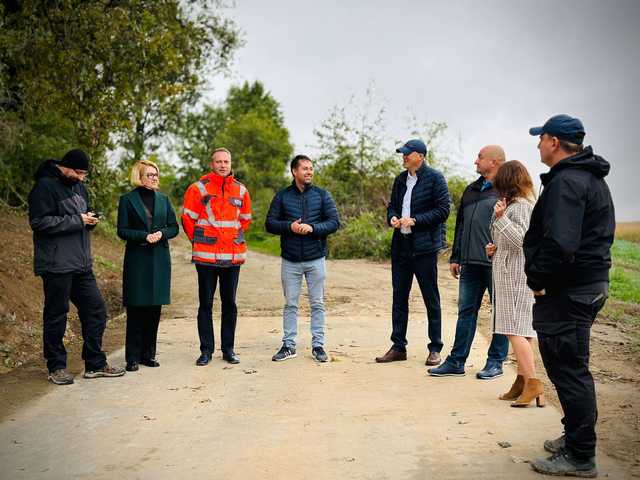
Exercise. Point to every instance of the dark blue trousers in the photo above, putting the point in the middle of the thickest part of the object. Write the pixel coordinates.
(404, 266)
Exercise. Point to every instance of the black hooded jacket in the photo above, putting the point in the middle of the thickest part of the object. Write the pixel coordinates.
(572, 226)
(60, 238)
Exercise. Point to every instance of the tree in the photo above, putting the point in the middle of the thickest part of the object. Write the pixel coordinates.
(354, 163)
(120, 71)
(250, 124)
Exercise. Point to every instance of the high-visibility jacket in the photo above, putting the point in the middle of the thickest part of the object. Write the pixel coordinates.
(216, 213)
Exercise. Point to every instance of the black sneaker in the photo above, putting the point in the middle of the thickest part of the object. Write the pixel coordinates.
(60, 377)
(319, 354)
(284, 354)
(562, 463)
(555, 445)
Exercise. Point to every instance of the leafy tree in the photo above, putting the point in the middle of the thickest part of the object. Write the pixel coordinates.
(119, 72)
(357, 164)
(249, 123)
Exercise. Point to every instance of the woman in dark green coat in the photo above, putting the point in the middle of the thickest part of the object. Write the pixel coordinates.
(147, 222)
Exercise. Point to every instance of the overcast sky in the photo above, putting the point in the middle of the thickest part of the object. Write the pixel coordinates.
(489, 69)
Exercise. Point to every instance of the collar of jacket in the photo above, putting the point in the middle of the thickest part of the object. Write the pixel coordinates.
(295, 187)
(477, 184)
(419, 172)
(218, 180)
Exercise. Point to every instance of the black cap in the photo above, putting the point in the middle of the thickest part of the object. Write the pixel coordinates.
(76, 159)
(563, 127)
(415, 145)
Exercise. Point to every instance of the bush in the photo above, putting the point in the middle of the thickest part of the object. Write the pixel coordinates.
(364, 236)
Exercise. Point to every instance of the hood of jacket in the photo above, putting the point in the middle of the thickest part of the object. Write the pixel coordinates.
(585, 160)
(48, 168)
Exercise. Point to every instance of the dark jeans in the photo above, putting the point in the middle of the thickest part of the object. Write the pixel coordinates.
(82, 290)
(425, 268)
(208, 278)
(474, 280)
(142, 332)
(563, 323)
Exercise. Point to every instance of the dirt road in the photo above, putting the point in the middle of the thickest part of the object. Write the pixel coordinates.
(349, 419)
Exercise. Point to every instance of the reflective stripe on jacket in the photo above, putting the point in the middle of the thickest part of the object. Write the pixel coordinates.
(216, 213)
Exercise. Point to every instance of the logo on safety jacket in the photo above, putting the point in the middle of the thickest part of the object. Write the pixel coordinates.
(215, 215)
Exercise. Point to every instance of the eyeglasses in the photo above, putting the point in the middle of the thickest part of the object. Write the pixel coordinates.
(151, 175)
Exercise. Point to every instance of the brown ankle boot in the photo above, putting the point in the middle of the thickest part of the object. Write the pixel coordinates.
(532, 389)
(515, 391)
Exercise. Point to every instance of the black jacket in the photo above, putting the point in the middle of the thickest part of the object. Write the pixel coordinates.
(316, 208)
(60, 238)
(572, 226)
(429, 207)
(473, 225)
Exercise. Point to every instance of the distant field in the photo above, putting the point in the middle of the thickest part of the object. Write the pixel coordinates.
(629, 231)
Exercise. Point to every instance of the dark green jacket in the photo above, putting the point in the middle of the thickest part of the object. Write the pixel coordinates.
(146, 277)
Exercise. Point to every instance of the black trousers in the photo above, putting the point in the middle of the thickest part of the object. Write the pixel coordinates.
(142, 332)
(208, 278)
(425, 268)
(563, 323)
(82, 290)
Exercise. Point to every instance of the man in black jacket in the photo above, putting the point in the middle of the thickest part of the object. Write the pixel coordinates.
(61, 220)
(567, 259)
(470, 263)
(303, 215)
(417, 210)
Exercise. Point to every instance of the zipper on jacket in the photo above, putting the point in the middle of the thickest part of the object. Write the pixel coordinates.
(475, 206)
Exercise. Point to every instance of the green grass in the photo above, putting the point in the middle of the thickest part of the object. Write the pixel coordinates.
(625, 273)
(269, 245)
(624, 295)
(105, 263)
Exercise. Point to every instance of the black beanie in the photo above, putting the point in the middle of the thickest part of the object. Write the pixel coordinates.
(76, 159)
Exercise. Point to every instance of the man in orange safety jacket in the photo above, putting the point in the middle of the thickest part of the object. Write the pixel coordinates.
(216, 213)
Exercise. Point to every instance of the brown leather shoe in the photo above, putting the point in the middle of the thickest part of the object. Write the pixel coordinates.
(433, 359)
(515, 391)
(533, 389)
(392, 356)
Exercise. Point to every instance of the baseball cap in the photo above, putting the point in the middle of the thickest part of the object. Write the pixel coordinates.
(415, 145)
(563, 127)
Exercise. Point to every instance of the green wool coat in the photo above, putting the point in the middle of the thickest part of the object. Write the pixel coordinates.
(146, 276)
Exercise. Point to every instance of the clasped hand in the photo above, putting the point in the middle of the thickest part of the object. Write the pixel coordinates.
(301, 228)
(154, 237)
(402, 222)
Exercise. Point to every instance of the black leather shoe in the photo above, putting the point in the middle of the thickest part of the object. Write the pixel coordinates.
(230, 357)
(132, 367)
(150, 362)
(203, 359)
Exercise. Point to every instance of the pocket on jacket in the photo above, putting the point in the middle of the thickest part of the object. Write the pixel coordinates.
(239, 240)
(200, 237)
(235, 201)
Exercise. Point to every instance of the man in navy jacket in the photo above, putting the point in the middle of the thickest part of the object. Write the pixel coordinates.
(417, 210)
(303, 215)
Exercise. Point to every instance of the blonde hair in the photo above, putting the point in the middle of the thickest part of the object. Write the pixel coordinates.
(138, 170)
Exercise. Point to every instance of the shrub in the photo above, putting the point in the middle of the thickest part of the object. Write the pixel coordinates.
(363, 236)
